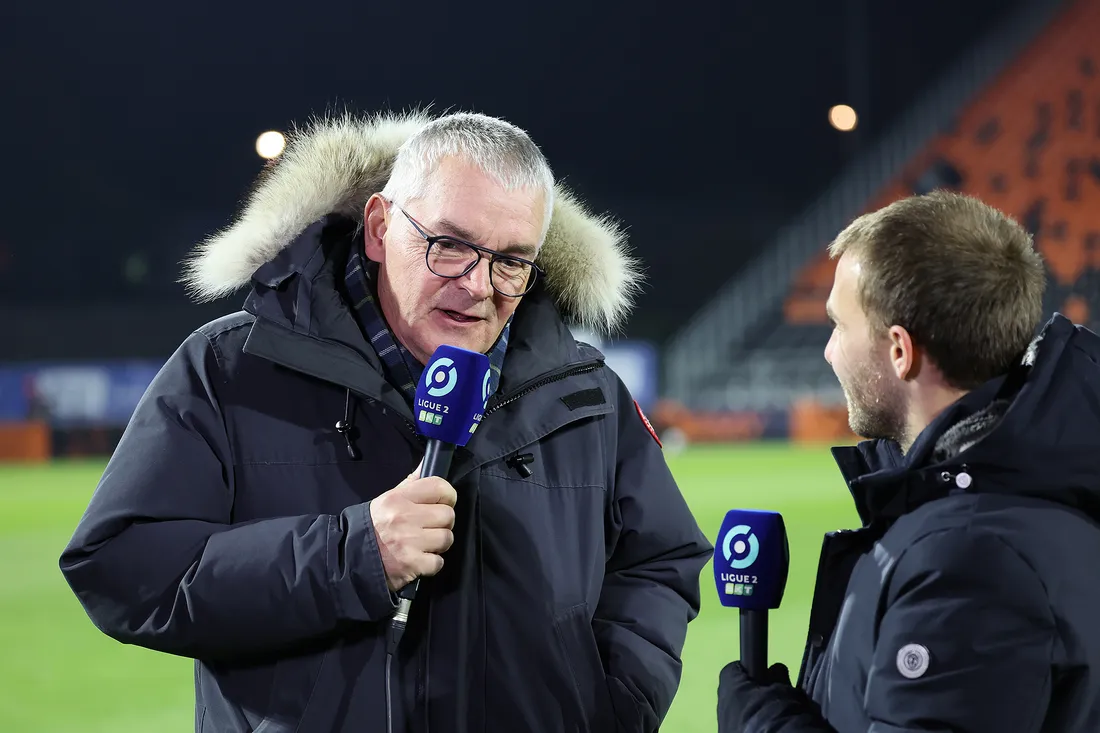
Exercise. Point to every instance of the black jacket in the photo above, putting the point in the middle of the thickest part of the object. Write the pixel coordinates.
(232, 526)
(969, 601)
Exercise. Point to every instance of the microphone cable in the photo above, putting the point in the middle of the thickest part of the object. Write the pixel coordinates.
(393, 637)
(437, 462)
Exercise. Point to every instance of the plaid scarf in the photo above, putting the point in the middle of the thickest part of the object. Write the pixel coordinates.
(400, 368)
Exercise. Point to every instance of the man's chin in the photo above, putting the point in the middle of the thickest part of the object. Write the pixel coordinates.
(858, 430)
(857, 419)
(870, 428)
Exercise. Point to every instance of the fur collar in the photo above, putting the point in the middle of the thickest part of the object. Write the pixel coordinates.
(967, 432)
(334, 165)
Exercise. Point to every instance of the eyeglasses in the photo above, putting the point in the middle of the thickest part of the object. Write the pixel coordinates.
(452, 258)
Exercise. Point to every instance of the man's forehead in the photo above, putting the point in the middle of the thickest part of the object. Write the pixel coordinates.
(842, 296)
(481, 223)
(474, 234)
(848, 266)
(846, 280)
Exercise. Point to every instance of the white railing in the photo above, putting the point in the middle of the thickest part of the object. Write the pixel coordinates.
(709, 341)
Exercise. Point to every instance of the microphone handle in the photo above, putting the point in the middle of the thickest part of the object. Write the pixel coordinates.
(437, 462)
(754, 642)
(437, 459)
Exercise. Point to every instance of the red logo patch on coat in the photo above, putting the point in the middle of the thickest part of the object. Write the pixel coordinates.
(648, 425)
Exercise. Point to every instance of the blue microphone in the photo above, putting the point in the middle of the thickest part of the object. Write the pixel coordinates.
(450, 402)
(751, 559)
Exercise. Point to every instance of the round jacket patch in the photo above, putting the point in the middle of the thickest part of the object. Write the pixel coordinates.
(913, 661)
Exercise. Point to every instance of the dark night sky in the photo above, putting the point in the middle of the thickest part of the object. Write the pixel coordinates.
(129, 127)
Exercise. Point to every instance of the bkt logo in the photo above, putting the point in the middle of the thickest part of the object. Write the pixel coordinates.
(485, 385)
(733, 545)
(437, 373)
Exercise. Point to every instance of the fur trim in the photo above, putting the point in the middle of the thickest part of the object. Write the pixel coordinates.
(334, 165)
(964, 434)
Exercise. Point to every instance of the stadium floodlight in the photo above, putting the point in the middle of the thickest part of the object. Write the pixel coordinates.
(843, 117)
(270, 144)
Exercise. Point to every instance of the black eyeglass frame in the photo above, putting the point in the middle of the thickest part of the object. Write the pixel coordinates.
(479, 250)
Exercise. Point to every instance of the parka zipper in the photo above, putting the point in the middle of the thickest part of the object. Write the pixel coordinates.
(542, 382)
(525, 390)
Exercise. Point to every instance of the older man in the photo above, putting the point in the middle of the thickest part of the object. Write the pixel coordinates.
(264, 505)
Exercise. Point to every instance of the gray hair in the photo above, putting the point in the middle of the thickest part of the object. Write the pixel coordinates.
(500, 149)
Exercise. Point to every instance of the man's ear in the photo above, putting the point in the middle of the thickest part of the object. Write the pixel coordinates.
(375, 224)
(903, 354)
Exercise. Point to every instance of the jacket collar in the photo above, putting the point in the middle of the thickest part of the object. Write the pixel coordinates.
(885, 483)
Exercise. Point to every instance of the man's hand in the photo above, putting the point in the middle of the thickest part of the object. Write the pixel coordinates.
(413, 523)
(772, 704)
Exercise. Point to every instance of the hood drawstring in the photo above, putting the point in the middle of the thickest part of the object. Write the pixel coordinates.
(346, 427)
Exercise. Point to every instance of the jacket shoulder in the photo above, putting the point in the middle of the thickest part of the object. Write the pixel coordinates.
(231, 323)
(1013, 517)
(1039, 536)
(225, 336)
(588, 351)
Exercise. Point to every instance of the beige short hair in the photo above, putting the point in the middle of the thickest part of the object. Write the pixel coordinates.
(961, 277)
(499, 148)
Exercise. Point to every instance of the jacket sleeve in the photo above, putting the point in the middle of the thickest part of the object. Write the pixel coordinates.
(156, 561)
(651, 584)
(966, 642)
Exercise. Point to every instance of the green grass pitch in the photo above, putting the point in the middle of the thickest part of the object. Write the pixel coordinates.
(60, 674)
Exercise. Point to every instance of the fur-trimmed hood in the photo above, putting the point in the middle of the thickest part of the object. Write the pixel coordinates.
(334, 165)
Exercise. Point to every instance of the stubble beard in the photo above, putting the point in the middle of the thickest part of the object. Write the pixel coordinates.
(876, 406)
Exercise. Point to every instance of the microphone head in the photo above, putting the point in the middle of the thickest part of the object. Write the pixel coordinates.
(751, 559)
(451, 395)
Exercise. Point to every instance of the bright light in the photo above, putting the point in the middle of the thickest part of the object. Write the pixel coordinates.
(270, 144)
(842, 117)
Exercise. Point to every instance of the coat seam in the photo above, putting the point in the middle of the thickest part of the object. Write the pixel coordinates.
(506, 477)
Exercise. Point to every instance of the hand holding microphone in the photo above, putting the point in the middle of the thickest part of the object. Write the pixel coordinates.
(413, 525)
(449, 404)
(751, 560)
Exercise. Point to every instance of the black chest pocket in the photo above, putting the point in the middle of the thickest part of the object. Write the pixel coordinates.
(294, 460)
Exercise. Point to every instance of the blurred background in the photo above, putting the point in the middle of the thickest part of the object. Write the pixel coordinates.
(733, 140)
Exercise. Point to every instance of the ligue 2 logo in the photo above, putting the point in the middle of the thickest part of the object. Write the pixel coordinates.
(738, 547)
(438, 373)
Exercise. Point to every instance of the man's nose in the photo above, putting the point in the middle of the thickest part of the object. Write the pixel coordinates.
(478, 280)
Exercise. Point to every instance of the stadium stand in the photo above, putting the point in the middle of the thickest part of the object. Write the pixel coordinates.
(1027, 140)
(1029, 145)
